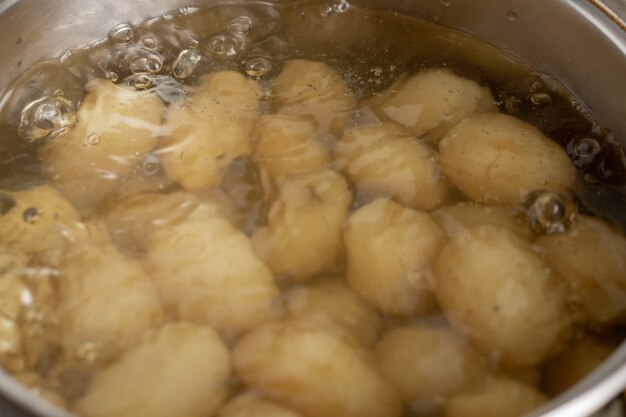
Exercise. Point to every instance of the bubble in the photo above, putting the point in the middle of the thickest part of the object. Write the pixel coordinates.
(193, 42)
(591, 179)
(92, 140)
(511, 16)
(150, 42)
(340, 6)
(31, 215)
(185, 63)
(225, 46)
(325, 10)
(541, 99)
(167, 88)
(240, 25)
(587, 148)
(148, 63)
(512, 104)
(258, 66)
(535, 87)
(142, 81)
(122, 33)
(110, 75)
(151, 164)
(549, 212)
(47, 117)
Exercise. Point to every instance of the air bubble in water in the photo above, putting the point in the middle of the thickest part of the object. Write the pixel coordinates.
(151, 164)
(541, 99)
(193, 42)
(587, 148)
(512, 104)
(122, 33)
(511, 16)
(258, 66)
(110, 75)
(325, 10)
(340, 6)
(92, 140)
(150, 42)
(225, 46)
(142, 81)
(186, 62)
(148, 63)
(549, 212)
(31, 215)
(240, 25)
(46, 117)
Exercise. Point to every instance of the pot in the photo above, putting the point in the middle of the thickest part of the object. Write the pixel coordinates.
(580, 43)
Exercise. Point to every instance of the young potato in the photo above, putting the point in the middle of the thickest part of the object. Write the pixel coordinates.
(331, 303)
(107, 302)
(38, 219)
(495, 158)
(117, 127)
(288, 145)
(316, 373)
(494, 288)
(426, 362)
(252, 405)
(590, 258)
(210, 131)
(180, 370)
(498, 398)
(432, 102)
(314, 88)
(303, 234)
(455, 219)
(207, 273)
(383, 163)
(390, 250)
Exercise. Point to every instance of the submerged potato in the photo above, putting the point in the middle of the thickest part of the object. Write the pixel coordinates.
(316, 373)
(494, 288)
(205, 135)
(383, 163)
(433, 101)
(590, 258)
(495, 158)
(314, 88)
(181, 370)
(117, 127)
(390, 250)
(253, 405)
(303, 234)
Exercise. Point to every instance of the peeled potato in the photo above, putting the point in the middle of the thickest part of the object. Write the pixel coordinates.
(498, 398)
(207, 273)
(205, 135)
(383, 163)
(313, 88)
(181, 370)
(590, 258)
(38, 220)
(390, 250)
(252, 405)
(433, 101)
(494, 288)
(494, 158)
(333, 304)
(117, 127)
(303, 234)
(316, 373)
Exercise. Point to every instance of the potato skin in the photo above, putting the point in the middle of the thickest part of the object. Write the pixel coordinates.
(496, 159)
(383, 163)
(250, 404)
(180, 370)
(495, 289)
(389, 251)
(316, 373)
(590, 258)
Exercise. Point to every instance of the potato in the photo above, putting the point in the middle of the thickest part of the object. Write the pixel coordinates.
(499, 398)
(181, 370)
(390, 250)
(252, 405)
(316, 373)
(38, 219)
(455, 219)
(590, 258)
(210, 131)
(303, 234)
(207, 273)
(383, 163)
(288, 145)
(497, 159)
(425, 362)
(117, 127)
(494, 288)
(332, 304)
(433, 101)
(107, 302)
(313, 88)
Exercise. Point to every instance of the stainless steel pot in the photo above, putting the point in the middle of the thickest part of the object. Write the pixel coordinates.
(579, 42)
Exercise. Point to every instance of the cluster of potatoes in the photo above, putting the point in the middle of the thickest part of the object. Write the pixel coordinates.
(389, 274)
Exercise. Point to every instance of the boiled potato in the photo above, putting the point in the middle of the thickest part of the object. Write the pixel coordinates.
(181, 370)
(116, 128)
(425, 362)
(390, 250)
(207, 273)
(205, 135)
(316, 373)
(433, 101)
(288, 145)
(314, 88)
(383, 163)
(107, 302)
(333, 304)
(303, 234)
(498, 398)
(252, 405)
(494, 288)
(590, 258)
(495, 158)
(38, 219)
